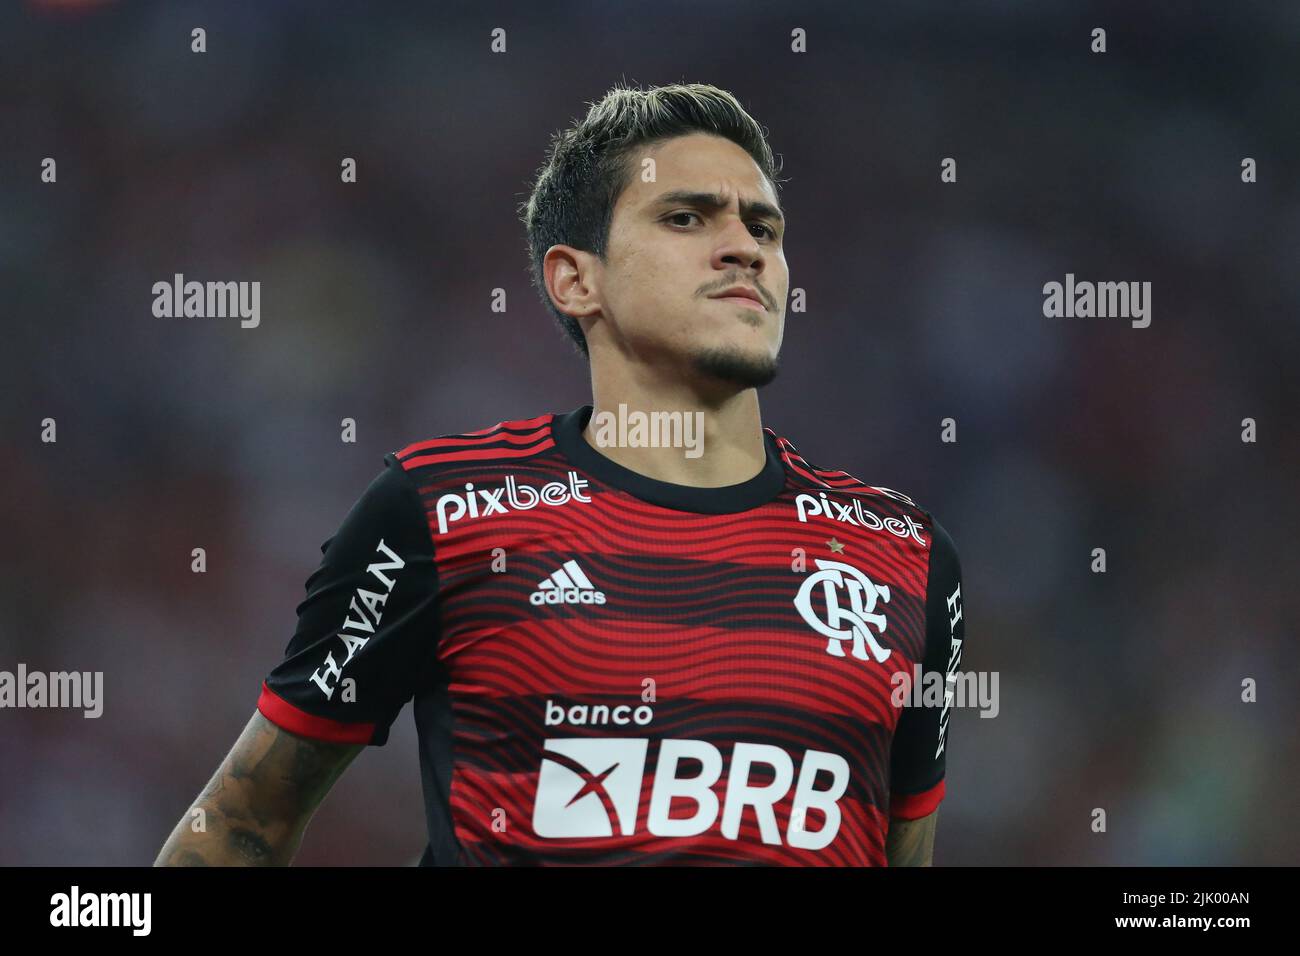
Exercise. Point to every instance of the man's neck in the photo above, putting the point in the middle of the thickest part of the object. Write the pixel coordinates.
(719, 443)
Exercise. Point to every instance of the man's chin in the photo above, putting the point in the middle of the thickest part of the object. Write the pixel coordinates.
(736, 367)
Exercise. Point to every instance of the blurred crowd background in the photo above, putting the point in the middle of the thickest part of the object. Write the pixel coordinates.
(1119, 691)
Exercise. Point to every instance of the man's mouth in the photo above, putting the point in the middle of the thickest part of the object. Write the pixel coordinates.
(742, 301)
(742, 296)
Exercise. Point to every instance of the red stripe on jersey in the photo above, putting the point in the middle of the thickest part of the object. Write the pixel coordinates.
(826, 477)
(840, 478)
(467, 441)
(480, 455)
(533, 422)
(913, 806)
(483, 437)
(283, 714)
(801, 467)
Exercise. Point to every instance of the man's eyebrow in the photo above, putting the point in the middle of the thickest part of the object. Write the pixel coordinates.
(714, 202)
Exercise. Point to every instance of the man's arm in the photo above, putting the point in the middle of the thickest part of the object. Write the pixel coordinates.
(918, 756)
(911, 842)
(257, 805)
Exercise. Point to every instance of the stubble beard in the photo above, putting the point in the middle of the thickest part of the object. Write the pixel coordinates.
(735, 366)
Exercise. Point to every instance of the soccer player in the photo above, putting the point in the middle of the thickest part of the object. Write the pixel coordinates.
(645, 630)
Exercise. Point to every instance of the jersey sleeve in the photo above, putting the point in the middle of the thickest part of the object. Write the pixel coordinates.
(367, 629)
(919, 750)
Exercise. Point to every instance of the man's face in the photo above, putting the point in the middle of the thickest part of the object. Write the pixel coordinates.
(671, 254)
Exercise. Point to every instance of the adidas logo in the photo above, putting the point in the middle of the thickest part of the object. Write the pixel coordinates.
(566, 586)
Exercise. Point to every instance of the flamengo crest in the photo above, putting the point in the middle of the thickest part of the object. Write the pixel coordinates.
(850, 598)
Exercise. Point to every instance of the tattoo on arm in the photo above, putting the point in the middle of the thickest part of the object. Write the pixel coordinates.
(259, 801)
(911, 842)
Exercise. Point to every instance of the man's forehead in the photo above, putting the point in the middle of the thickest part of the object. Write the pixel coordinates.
(702, 164)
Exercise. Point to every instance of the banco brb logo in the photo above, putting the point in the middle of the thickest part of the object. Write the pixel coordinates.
(591, 787)
(845, 623)
(584, 785)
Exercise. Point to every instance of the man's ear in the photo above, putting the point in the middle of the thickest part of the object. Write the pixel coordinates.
(572, 281)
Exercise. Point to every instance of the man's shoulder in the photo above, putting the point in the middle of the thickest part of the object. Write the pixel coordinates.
(832, 481)
(511, 439)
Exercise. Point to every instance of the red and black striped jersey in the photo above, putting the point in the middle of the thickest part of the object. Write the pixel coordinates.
(611, 669)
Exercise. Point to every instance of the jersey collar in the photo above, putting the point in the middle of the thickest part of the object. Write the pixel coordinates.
(566, 430)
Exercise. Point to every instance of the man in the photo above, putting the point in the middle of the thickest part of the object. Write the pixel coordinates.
(622, 652)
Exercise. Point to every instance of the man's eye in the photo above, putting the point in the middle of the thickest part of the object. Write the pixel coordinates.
(768, 230)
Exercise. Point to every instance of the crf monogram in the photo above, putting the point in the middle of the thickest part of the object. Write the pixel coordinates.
(843, 624)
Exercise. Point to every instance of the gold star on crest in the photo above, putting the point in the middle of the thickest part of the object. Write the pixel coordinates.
(835, 546)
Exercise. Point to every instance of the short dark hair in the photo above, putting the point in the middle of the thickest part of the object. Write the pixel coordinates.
(589, 165)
